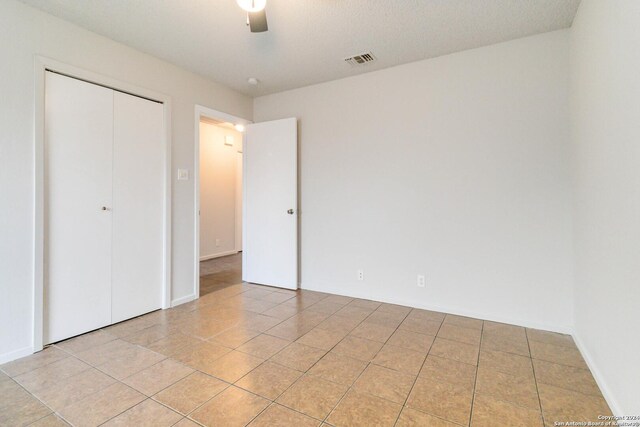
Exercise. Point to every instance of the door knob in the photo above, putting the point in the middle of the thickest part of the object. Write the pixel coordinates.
(290, 211)
(104, 208)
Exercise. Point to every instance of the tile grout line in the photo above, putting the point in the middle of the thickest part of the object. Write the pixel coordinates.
(40, 419)
(91, 366)
(369, 363)
(475, 382)
(326, 352)
(31, 370)
(271, 402)
(323, 356)
(188, 415)
(404, 404)
(535, 377)
(512, 375)
(135, 405)
(329, 351)
(248, 391)
(69, 355)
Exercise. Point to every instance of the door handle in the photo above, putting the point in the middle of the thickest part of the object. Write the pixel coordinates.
(104, 208)
(290, 211)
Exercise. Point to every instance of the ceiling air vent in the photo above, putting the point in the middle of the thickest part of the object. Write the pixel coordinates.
(362, 59)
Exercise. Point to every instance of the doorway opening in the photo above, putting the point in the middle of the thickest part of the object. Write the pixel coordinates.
(260, 208)
(218, 175)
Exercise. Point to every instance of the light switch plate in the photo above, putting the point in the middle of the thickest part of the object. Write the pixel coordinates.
(183, 174)
(228, 140)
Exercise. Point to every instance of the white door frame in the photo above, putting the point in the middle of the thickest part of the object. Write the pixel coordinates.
(209, 113)
(42, 64)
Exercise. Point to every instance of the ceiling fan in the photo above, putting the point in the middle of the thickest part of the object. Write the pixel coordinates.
(256, 15)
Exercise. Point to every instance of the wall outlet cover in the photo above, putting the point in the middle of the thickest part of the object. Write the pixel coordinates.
(421, 281)
(183, 174)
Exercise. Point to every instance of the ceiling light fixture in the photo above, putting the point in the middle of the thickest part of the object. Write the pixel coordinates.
(252, 81)
(239, 127)
(252, 5)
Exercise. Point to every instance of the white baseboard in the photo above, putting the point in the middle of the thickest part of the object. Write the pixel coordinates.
(218, 255)
(15, 354)
(183, 300)
(563, 329)
(597, 375)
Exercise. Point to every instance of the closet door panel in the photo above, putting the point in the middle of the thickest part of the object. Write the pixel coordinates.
(78, 162)
(138, 207)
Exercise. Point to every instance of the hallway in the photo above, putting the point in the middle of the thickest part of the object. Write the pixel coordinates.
(219, 273)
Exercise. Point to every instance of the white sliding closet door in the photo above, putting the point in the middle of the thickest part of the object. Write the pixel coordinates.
(78, 166)
(138, 206)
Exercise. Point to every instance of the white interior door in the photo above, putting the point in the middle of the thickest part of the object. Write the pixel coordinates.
(270, 249)
(138, 206)
(239, 163)
(78, 162)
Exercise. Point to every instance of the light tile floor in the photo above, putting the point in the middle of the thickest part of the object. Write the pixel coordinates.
(259, 356)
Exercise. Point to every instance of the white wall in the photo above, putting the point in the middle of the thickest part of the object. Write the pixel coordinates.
(454, 167)
(26, 32)
(605, 105)
(218, 190)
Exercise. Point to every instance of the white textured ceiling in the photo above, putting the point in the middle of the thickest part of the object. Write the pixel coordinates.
(307, 39)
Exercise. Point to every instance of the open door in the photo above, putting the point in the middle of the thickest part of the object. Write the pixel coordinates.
(270, 231)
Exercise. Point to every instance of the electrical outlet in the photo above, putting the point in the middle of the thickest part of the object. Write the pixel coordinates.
(360, 275)
(217, 242)
(421, 281)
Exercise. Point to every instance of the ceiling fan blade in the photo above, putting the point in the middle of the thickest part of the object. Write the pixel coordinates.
(258, 21)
